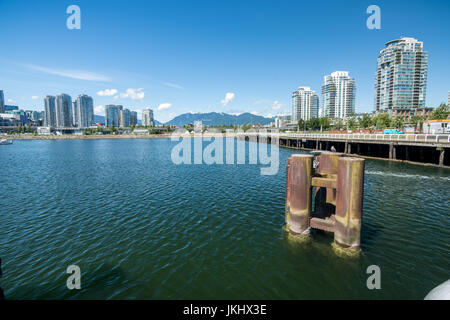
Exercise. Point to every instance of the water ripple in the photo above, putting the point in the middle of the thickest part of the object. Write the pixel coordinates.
(141, 227)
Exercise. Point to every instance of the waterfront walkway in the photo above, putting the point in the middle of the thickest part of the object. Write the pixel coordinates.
(420, 148)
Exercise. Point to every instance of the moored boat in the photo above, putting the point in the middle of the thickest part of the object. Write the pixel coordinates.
(5, 141)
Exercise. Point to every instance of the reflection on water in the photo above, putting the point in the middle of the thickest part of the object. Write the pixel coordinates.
(139, 226)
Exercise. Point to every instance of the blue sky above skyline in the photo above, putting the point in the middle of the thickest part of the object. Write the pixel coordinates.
(182, 56)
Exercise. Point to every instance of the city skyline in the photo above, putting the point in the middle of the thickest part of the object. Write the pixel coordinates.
(248, 66)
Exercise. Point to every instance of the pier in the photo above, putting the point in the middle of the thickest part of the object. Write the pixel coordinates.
(431, 149)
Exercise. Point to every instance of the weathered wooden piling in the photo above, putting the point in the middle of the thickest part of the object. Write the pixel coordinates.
(349, 201)
(299, 193)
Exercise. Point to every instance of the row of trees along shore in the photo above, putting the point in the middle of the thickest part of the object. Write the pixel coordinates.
(381, 121)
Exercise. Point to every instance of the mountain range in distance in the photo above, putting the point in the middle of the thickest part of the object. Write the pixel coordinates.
(210, 119)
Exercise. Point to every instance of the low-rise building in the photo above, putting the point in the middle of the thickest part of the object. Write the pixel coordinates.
(436, 126)
(43, 131)
(140, 131)
(282, 121)
(10, 119)
(407, 113)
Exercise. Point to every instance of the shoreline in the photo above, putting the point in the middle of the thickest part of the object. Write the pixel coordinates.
(112, 136)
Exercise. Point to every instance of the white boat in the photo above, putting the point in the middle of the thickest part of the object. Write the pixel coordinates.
(5, 141)
(441, 292)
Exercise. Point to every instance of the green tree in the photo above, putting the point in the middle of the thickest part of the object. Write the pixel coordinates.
(324, 123)
(301, 125)
(396, 123)
(440, 113)
(351, 123)
(382, 121)
(365, 121)
(416, 120)
(373, 121)
(314, 124)
(338, 124)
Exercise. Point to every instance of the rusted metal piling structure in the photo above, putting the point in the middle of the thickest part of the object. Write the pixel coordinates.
(338, 196)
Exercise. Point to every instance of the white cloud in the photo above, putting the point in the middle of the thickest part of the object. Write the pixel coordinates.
(134, 94)
(172, 85)
(255, 113)
(74, 74)
(107, 92)
(164, 106)
(285, 113)
(99, 110)
(228, 98)
(10, 100)
(276, 105)
(34, 97)
(116, 97)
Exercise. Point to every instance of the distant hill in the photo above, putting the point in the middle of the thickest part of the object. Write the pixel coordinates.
(209, 119)
(217, 119)
(98, 118)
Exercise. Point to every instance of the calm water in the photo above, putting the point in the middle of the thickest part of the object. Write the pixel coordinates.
(141, 227)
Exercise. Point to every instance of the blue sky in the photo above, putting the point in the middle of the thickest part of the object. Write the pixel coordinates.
(182, 56)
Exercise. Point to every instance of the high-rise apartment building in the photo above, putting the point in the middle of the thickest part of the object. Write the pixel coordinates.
(338, 95)
(2, 102)
(64, 114)
(401, 76)
(85, 111)
(305, 104)
(75, 113)
(112, 115)
(50, 111)
(125, 117)
(147, 117)
(133, 118)
(35, 116)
